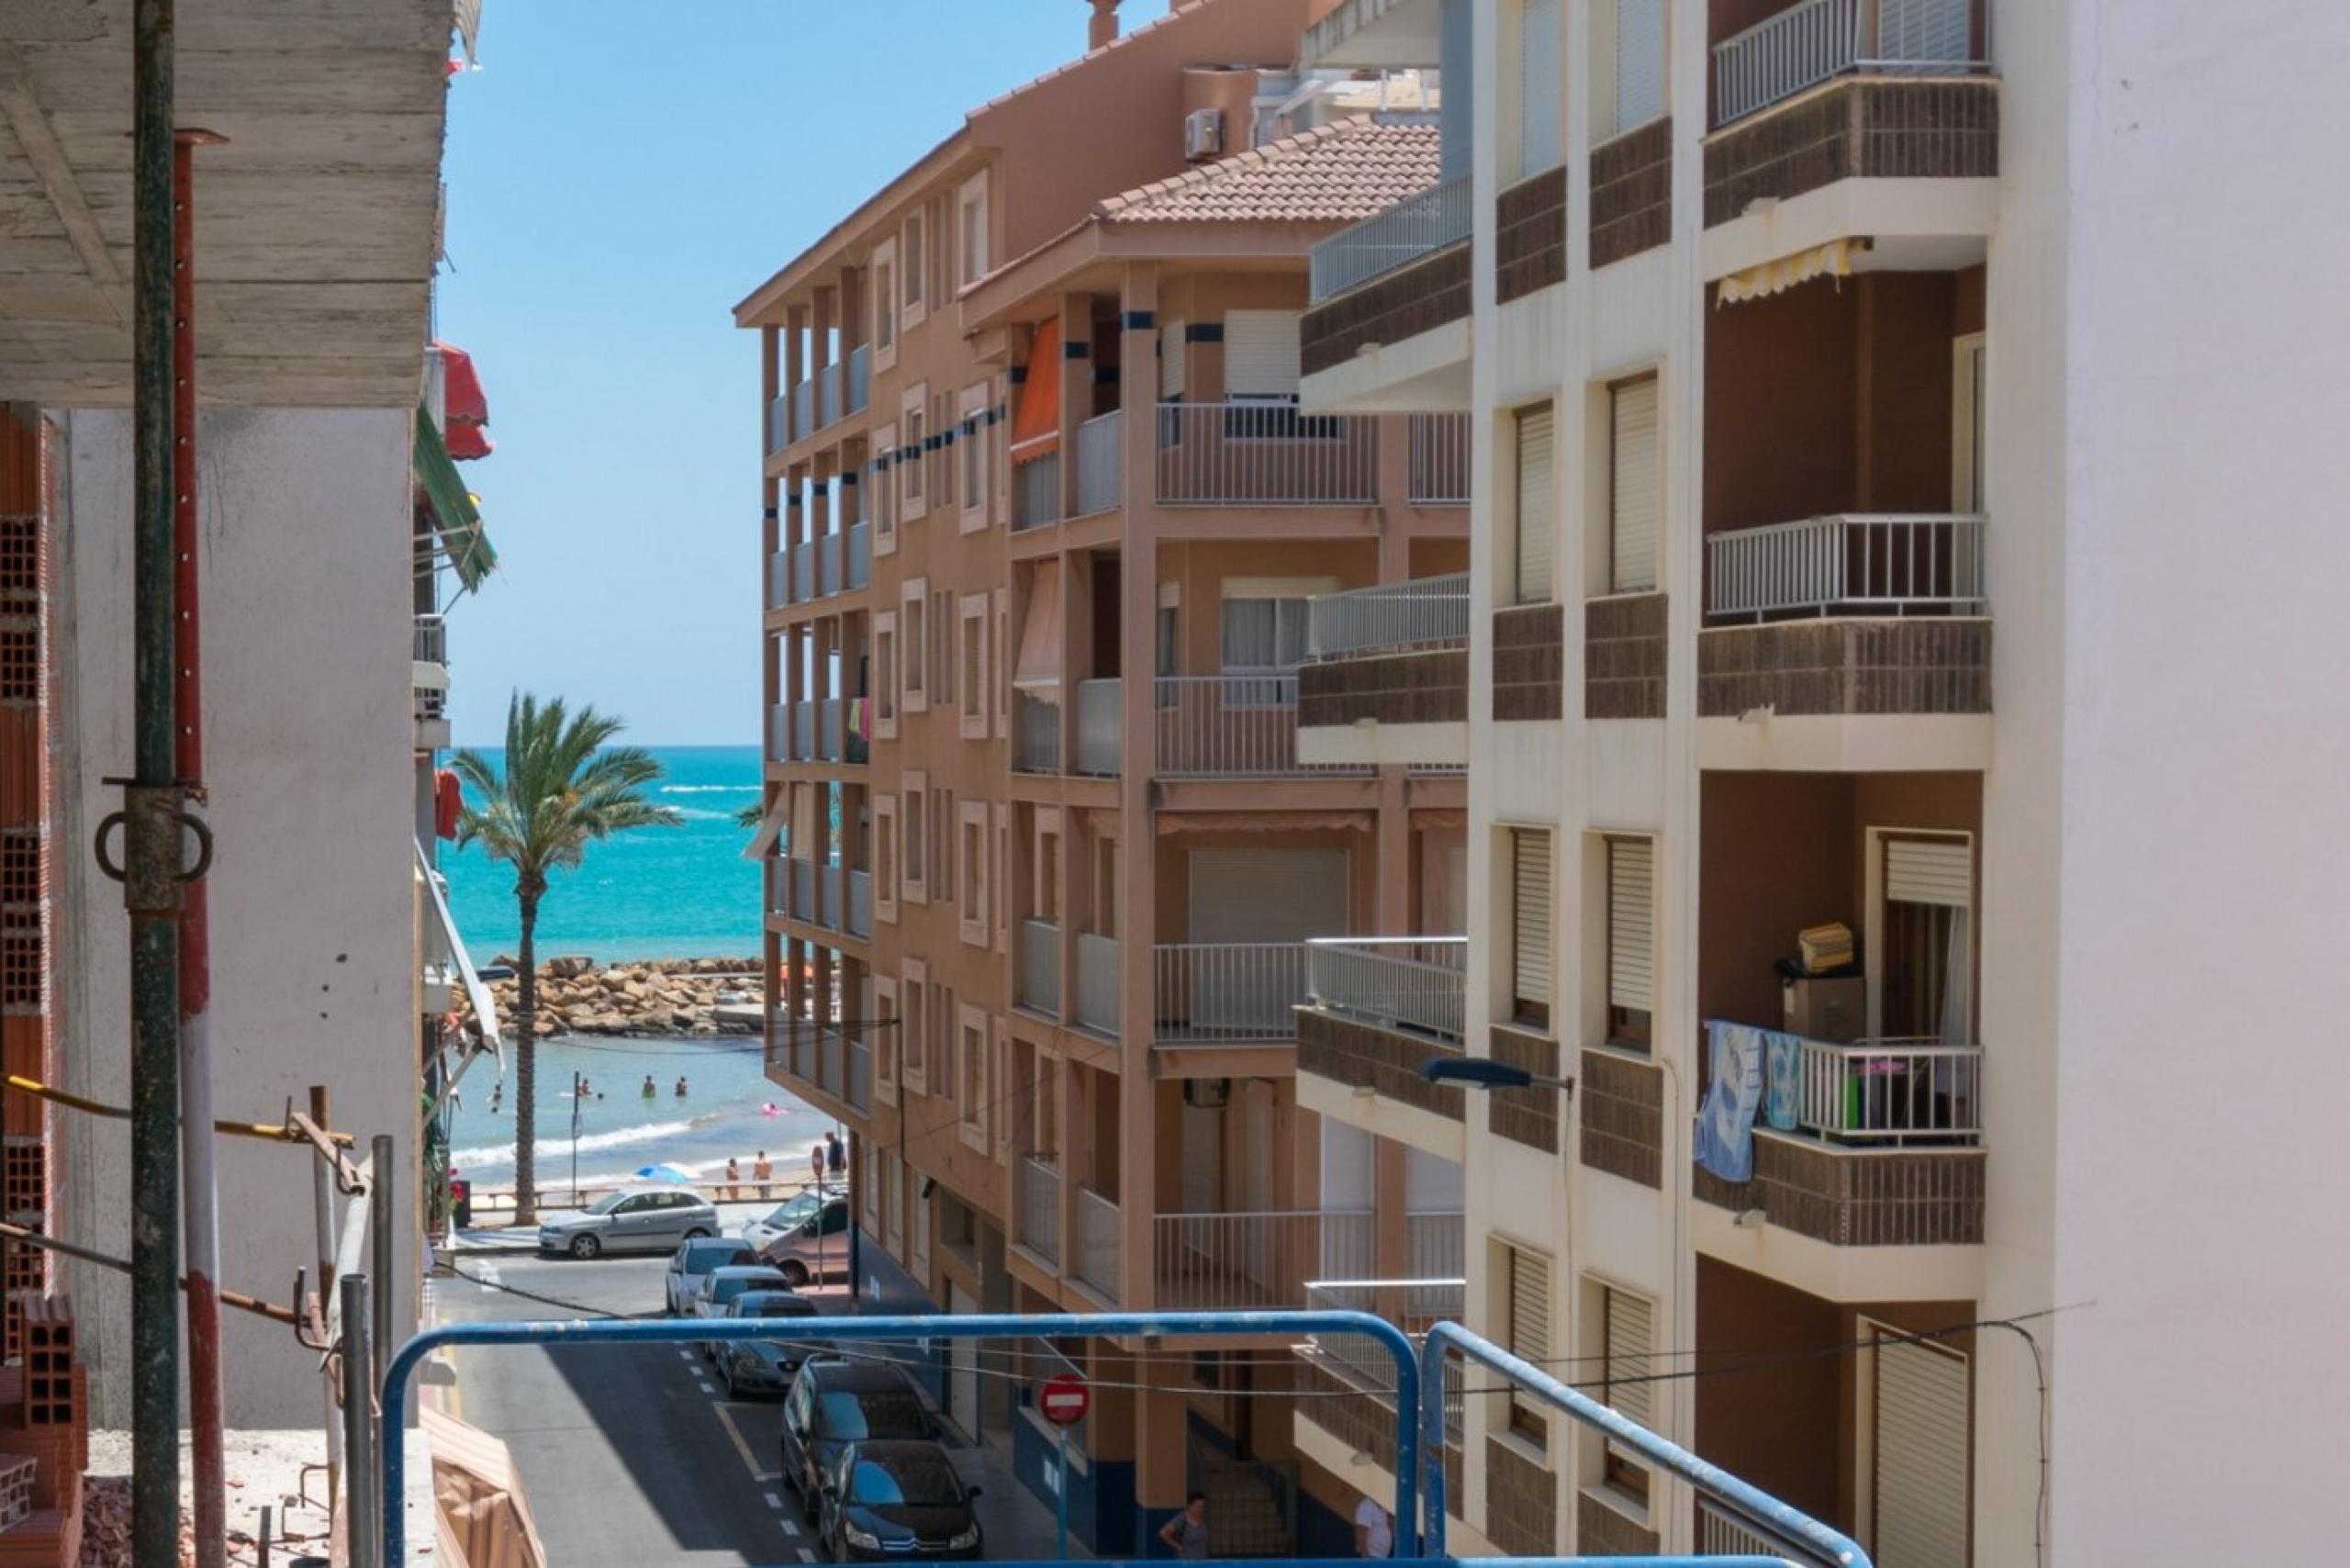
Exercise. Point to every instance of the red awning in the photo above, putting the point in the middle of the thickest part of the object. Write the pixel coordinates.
(465, 410)
(1036, 422)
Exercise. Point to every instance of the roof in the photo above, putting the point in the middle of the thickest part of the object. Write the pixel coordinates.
(1341, 173)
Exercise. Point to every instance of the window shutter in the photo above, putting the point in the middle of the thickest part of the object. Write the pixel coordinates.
(1267, 895)
(1261, 354)
(1921, 1471)
(1530, 877)
(1640, 62)
(1927, 870)
(1170, 361)
(1923, 31)
(1540, 46)
(1530, 1317)
(1633, 502)
(1629, 1337)
(1537, 513)
(1631, 945)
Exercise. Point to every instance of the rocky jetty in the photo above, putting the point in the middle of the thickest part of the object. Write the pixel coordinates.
(658, 996)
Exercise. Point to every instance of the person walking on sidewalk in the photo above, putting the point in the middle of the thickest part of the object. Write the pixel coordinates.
(1374, 1528)
(835, 1154)
(1186, 1534)
(763, 1172)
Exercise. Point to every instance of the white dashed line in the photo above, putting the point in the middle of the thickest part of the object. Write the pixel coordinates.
(685, 1355)
(489, 1274)
(704, 1387)
(774, 1501)
(788, 1528)
(806, 1555)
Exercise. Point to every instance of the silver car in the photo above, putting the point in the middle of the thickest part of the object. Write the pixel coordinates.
(635, 1219)
(694, 1259)
(807, 1239)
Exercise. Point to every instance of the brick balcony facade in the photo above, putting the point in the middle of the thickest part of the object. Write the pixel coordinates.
(1932, 664)
(1863, 128)
(1388, 310)
(1427, 687)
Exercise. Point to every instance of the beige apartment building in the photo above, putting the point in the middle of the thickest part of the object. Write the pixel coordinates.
(1047, 878)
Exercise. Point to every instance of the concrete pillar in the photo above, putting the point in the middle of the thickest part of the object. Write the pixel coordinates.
(1136, 923)
(1075, 371)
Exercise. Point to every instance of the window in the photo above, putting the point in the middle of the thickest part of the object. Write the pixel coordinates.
(942, 1041)
(975, 1117)
(1630, 939)
(1261, 358)
(1105, 887)
(972, 207)
(884, 670)
(971, 444)
(1536, 505)
(1967, 392)
(1915, 1424)
(920, 1202)
(913, 1034)
(912, 251)
(1924, 965)
(1264, 633)
(976, 683)
(913, 458)
(885, 304)
(942, 846)
(1047, 899)
(1171, 362)
(1639, 77)
(1626, 1332)
(1541, 46)
(885, 858)
(884, 1037)
(1633, 461)
(881, 489)
(1530, 928)
(1525, 1333)
(973, 845)
(868, 1184)
(1000, 878)
(942, 449)
(942, 648)
(913, 837)
(1168, 663)
(914, 646)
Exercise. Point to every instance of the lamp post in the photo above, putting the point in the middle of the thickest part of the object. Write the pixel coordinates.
(1484, 1072)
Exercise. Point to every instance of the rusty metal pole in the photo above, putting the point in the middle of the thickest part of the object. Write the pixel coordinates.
(202, 1190)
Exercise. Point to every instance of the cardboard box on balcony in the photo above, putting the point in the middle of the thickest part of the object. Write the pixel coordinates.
(1832, 1010)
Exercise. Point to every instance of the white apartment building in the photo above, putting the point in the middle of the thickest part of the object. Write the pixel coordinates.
(1860, 393)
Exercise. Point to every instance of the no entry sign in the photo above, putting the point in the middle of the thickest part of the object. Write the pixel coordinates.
(1064, 1399)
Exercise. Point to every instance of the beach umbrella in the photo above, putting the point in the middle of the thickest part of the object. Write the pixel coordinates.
(664, 1174)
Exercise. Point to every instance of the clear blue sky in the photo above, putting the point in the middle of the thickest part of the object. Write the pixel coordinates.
(615, 186)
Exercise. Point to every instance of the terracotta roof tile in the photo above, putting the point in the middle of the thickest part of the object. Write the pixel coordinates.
(1341, 173)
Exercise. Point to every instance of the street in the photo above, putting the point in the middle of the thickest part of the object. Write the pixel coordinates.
(634, 1457)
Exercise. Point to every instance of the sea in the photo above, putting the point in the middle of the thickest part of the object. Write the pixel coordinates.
(680, 893)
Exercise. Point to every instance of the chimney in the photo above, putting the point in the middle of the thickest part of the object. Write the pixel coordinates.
(1102, 26)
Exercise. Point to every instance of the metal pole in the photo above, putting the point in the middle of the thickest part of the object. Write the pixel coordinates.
(201, 1196)
(575, 1139)
(385, 1262)
(1060, 1498)
(322, 1210)
(361, 1528)
(152, 815)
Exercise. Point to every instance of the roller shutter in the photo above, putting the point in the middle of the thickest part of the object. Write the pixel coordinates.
(1530, 883)
(1630, 1337)
(1920, 1460)
(1261, 354)
(1633, 474)
(1928, 870)
(1539, 47)
(1530, 1318)
(1631, 943)
(1536, 508)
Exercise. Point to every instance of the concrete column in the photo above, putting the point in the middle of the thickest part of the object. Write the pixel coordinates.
(1393, 851)
(795, 347)
(1075, 371)
(1138, 604)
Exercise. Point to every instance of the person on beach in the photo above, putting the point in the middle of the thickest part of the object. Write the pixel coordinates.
(681, 1086)
(835, 1154)
(1186, 1534)
(734, 1176)
(762, 1171)
(651, 1088)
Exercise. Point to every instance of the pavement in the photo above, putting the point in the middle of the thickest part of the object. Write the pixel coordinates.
(507, 1237)
(633, 1456)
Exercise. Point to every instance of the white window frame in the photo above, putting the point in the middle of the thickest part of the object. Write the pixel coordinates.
(881, 492)
(913, 835)
(913, 272)
(914, 646)
(974, 1051)
(1620, 578)
(973, 199)
(913, 1026)
(1521, 591)
(887, 841)
(973, 825)
(975, 612)
(913, 457)
(974, 456)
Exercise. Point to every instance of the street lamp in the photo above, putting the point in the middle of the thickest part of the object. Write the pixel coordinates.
(1484, 1072)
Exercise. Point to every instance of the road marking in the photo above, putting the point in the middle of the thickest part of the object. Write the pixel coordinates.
(703, 1386)
(791, 1529)
(806, 1555)
(489, 1274)
(774, 1501)
(727, 1419)
(684, 1355)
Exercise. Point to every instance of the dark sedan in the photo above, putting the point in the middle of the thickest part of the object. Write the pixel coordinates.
(765, 1366)
(836, 1402)
(898, 1500)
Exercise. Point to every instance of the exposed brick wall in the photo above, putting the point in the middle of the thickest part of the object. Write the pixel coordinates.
(1418, 298)
(1601, 1531)
(1360, 1055)
(1932, 664)
(1529, 1117)
(1530, 661)
(1427, 687)
(1530, 236)
(1632, 193)
(1521, 1503)
(1623, 1117)
(1865, 128)
(1909, 1197)
(26, 939)
(1623, 658)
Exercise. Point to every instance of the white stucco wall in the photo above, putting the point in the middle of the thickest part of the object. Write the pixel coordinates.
(306, 529)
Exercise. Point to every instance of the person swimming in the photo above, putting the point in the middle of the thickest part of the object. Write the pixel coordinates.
(681, 1087)
(651, 1088)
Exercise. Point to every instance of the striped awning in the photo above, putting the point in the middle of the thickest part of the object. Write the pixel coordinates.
(1832, 260)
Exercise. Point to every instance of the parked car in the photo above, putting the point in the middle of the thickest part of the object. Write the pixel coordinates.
(834, 1402)
(694, 1259)
(719, 1288)
(807, 1238)
(897, 1500)
(634, 1219)
(765, 1366)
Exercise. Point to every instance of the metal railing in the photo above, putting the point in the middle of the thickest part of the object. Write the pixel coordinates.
(830, 388)
(779, 580)
(1098, 1244)
(860, 555)
(1439, 472)
(1098, 987)
(1232, 726)
(804, 889)
(1098, 463)
(1264, 453)
(1424, 612)
(803, 410)
(1808, 44)
(1100, 727)
(1035, 732)
(779, 731)
(832, 730)
(830, 565)
(779, 411)
(1217, 992)
(1436, 1244)
(804, 572)
(1887, 562)
(1037, 1208)
(832, 895)
(1420, 225)
(831, 1054)
(432, 640)
(1883, 1091)
(860, 378)
(1037, 492)
(860, 1075)
(860, 903)
(1037, 972)
(1260, 1260)
(803, 732)
(1407, 982)
(1411, 1304)
(1721, 1533)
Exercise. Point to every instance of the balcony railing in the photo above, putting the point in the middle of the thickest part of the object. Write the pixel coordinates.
(832, 566)
(831, 386)
(804, 572)
(803, 732)
(432, 640)
(1037, 968)
(778, 412)
(1037, 1208)
(1721, 1533)
(831, 1053)
(775, 872)
(1425, 613)
(1231, 726)
(1851, 563)
(1412, 1305)
(860, 555)
(1264, 453)
(1037, 492)
(1206, 1261)
(1420, 225)
(860, 903)
(860, 378)
(1395, 982)
(1098, 1243)
(803, 410)
(1098, 463)
(1097, 984)
(1808, 44)
(860, 1075)
(1100, 726)
(778, 732)
(1036, 731)
(1226, 992)
(779, 580)
(832, 730)
(1881, 1092)
(1439, 472)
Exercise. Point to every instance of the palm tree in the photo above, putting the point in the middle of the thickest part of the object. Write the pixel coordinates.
(562, 789)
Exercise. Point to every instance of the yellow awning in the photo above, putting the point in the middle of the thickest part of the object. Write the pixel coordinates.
(1832, 260)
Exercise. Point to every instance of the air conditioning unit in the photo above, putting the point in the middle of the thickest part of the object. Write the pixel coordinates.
(1203, 135)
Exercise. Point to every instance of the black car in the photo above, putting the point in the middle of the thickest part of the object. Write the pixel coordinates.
(898, 1499)
(834, 1402)
(765, 1366)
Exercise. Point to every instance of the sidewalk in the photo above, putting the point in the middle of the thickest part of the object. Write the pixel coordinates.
(507, 1237)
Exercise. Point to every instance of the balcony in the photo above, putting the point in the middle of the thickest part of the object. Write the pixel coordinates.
(1037, 973)
(1388, 676)
(430, 642)
(1098, 985)
(1422, 612)
(1372, 35)
(779, 580)
(1388, 326)
(1100, 463)
(778, 423)
(1037, 492)
(1817, 40)
(823, 400)
(1036, 1209)
(1100, 1245)
(1376, 1008)
(1101, 727)
(1036, 731)
(828, 895)
(1413, 229)
(1350, 1379)
(1224, 993)
(1437, 474)
(1219, 1261)
(1232, 726)
(1264, 453)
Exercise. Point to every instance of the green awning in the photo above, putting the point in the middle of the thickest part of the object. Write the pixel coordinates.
(454, 512)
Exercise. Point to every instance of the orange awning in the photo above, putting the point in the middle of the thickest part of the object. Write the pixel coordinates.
(1265, 822)
(1036, 422)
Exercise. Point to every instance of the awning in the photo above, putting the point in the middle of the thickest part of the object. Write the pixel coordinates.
(770, 828)
(453, 513)
(1265, 822)
(1832, 260)
(1429, 819)
(1036, 421)
(485, 1006)
(1040, 633)
(464, 409)
(482, 1521)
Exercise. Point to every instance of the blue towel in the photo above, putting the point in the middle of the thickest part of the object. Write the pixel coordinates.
(1725, 1140)
(1782, 1079)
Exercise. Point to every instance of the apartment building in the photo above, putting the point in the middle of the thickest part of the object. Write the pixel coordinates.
(1045, 868)
(1814, 400)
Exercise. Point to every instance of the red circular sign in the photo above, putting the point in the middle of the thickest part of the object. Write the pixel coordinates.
(1064, 1399)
